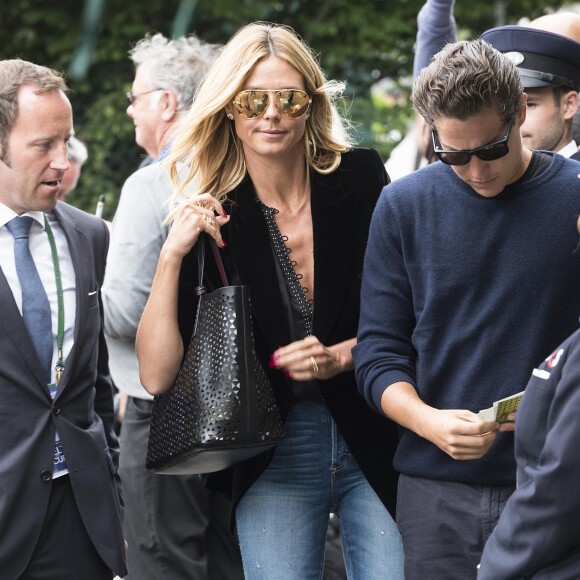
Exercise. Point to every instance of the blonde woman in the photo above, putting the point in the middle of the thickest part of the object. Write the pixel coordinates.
(271, 175)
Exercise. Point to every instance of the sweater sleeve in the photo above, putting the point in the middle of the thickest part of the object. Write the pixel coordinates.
(384, 353)
(540, 524)
(435, 28)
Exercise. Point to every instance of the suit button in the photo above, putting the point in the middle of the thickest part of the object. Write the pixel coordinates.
(56, 410)
(46, 475)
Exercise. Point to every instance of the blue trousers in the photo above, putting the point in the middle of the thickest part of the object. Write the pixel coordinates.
(283, 518)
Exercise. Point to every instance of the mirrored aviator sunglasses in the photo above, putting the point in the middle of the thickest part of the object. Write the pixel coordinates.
(292, 103)
(489, 152)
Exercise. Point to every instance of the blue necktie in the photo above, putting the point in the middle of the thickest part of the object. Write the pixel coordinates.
(35, 305)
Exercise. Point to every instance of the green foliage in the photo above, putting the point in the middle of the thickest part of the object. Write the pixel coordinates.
(358, 42)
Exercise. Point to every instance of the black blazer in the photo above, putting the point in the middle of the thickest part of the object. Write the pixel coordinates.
(82, 412)
(342, 204)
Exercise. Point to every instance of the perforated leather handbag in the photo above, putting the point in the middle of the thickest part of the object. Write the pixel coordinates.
(221, 409)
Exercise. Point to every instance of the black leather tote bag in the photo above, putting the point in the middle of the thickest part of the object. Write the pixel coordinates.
(221, 409)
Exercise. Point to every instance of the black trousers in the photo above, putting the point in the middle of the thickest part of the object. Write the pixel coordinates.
(64, 550)
(444, 526)
(175, 528)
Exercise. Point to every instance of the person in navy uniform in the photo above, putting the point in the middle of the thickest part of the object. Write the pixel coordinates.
(549, 66)
(538, 533)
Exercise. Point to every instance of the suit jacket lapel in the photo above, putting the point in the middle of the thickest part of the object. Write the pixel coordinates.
(254, 263)
(13, 324)
(82, 263)
(333, 217)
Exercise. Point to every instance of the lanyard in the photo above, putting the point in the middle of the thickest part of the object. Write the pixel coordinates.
(59, 367)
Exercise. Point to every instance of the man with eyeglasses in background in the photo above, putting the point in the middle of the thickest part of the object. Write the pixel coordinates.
(175, 528)
(470, 277)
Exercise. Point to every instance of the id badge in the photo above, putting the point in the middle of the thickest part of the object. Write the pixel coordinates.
(60, 467)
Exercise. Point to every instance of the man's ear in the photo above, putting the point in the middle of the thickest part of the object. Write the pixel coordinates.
(523, 112)
(569, 104)
(169, 106)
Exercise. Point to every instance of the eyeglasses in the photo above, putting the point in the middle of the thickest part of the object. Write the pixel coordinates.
(489, 152)
(133, 97)
(292, 103)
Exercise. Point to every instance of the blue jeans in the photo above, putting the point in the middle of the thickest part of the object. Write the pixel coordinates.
(283, 518)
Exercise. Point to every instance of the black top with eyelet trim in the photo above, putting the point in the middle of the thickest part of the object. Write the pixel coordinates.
(298, 309)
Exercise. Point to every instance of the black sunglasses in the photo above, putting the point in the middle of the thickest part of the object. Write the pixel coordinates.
(489, 152)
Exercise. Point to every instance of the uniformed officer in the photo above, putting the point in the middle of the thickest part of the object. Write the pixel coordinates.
(550, 69)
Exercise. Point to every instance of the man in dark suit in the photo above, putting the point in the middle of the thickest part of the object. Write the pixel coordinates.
(60, 503)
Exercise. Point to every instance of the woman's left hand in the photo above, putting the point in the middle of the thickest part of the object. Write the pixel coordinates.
(309, 359)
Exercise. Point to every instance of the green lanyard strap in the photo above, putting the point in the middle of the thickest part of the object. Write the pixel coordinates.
(59, 367)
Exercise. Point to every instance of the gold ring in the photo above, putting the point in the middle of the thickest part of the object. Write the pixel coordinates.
(314, 364)
(207, 219)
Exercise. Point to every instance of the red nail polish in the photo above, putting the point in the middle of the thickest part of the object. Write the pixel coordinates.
(224, 213)
(225, 244)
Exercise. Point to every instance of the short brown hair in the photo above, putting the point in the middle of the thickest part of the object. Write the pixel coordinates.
(467, 78)
(15, 73)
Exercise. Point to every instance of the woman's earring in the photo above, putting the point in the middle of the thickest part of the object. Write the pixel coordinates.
(307, 115)
(230, 116)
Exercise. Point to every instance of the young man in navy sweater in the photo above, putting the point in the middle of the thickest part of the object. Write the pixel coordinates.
(470, 278)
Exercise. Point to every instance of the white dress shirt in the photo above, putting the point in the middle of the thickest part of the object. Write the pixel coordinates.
(41, 253)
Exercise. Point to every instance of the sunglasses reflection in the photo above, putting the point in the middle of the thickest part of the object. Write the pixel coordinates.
(252, 103)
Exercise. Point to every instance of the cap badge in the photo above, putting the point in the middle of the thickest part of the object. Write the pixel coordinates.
(516, 57)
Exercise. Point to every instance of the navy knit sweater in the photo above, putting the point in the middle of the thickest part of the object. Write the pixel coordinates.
(463, 295)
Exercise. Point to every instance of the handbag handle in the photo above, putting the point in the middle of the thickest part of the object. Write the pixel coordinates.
(201, 262)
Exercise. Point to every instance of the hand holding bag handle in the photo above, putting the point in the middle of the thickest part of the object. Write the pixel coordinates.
(221, 409)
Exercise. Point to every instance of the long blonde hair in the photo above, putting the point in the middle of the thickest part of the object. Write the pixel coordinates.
(206, 152)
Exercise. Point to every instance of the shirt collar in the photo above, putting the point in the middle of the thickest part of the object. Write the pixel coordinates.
(164, 152)
(568, 150)
(6, 214)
